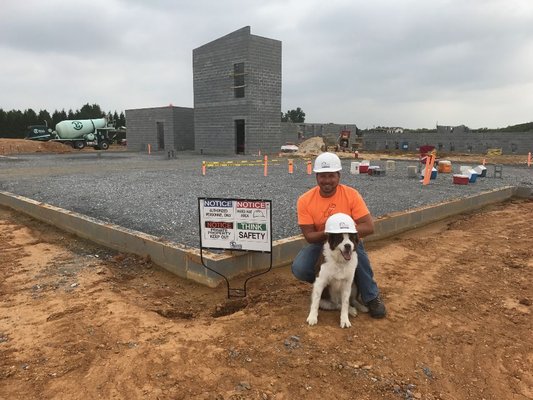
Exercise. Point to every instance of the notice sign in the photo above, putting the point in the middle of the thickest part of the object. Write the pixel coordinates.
(235, 224)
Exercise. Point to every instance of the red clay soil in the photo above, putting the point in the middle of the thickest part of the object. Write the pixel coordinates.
(81, 322)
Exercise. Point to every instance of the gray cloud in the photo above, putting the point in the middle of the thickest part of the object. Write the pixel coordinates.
(406, 63)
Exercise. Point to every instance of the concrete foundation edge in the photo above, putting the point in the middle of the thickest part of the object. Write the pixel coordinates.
(186, 263)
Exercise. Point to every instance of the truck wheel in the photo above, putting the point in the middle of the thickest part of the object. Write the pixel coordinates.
(104, 145)
(79, 144)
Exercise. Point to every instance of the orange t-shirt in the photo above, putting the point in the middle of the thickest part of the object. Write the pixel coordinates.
(313, 209)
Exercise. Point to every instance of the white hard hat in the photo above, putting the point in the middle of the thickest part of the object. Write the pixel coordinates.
(327, 162)
(340, 223)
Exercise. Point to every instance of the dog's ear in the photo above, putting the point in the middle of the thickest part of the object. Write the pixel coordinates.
(334, 239)
(329, 240)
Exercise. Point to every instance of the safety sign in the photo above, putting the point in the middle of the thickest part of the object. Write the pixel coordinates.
(235, 224)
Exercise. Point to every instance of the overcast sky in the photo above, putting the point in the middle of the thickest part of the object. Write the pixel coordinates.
(408, 63)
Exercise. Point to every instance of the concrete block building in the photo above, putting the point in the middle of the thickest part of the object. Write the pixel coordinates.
(237, 94)
(164, 128)
(458, 141)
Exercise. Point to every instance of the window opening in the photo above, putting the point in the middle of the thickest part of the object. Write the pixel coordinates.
(238, 79)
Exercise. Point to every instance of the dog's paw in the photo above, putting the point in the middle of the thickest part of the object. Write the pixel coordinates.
(352, 311)
(345, 323)
(312, 319)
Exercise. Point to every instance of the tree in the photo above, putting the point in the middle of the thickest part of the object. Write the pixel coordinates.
(58, 116)
(122, 119)
(296, 116)
(116, 120)
(90, 112)
(44, 117)
(29, 118)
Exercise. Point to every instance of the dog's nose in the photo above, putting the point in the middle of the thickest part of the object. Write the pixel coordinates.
(348, 247)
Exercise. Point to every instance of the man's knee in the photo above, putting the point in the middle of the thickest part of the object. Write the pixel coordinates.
(303, 272)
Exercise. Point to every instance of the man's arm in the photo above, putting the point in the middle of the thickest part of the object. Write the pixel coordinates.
(312, 235)
(364, 225)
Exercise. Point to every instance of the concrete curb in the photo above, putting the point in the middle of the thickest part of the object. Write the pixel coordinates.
(185, 261)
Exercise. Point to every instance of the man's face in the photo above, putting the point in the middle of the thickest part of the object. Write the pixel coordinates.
(328, 181)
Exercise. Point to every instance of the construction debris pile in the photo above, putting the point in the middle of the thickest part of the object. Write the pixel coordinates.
(311, 146)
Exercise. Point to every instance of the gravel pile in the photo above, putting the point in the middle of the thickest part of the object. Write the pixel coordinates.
(160, 196)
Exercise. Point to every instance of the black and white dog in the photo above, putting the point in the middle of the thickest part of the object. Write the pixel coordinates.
(337, 272)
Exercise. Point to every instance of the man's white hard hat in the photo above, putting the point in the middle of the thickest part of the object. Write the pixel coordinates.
(340, 223)
(327, 162)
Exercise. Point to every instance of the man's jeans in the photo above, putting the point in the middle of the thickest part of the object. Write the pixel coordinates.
(303, 268)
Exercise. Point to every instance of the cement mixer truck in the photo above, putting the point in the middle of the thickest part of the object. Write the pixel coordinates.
(76, 133)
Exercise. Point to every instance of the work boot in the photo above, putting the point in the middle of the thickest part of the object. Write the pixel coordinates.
(376, 308)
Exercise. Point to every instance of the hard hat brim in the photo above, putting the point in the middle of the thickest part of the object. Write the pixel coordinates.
(319, 170)
(341, 231)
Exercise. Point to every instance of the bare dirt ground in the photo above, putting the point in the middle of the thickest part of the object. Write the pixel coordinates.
(21, 146)
(82, 322)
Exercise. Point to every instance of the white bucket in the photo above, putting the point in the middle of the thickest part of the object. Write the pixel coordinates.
(354, 168)
(411, 171)
(390, 165)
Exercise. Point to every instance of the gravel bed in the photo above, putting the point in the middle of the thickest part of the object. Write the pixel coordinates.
(160, 196)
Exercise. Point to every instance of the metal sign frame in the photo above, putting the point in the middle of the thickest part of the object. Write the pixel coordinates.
(225, 221)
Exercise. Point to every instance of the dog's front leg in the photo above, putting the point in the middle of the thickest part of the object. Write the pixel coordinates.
(345, 305)
(318, 288)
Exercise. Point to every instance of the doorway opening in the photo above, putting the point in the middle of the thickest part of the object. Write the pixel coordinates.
(239, 135)
(160, 135)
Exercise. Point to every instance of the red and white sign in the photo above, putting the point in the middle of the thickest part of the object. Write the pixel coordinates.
(235, 224)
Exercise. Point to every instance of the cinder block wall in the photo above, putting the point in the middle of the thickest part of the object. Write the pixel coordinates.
(215, 106)
(330, 129)
(289, 132)
(467, 142)
(183, 128)
(263, 129)
(142, 128)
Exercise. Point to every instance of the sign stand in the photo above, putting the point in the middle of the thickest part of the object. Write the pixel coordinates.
(235, 224)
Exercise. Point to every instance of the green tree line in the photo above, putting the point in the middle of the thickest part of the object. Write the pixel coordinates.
(14, 123)
(296, 116)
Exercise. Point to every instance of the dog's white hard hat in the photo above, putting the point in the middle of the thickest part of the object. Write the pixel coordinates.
(327, 162)
(340, 223)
